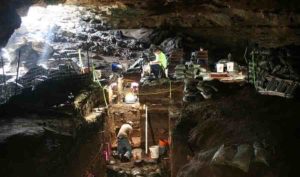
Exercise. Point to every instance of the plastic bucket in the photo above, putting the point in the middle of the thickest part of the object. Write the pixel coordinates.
(115, 67)
(230, 66)
(130, 98)
(220, 68)
(154, 152)
(137, 153)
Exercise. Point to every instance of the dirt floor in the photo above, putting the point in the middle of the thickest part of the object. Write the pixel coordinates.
(238, 115)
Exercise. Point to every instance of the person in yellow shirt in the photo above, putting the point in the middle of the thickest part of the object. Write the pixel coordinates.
(159, 65)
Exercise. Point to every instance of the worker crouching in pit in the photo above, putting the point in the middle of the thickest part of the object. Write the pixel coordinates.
(125, 141)
(159, 65)
(163, 143)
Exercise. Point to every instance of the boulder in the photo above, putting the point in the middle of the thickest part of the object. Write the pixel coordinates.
(170, 44)
(32, 52)
(243, 157)
(82, 36)
(138, 34)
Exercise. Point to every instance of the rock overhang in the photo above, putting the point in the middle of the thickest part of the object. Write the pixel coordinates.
(269, 24)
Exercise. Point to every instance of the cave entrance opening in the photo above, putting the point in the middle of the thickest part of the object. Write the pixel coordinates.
(49, 44)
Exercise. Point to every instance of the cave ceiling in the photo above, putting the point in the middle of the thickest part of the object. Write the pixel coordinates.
(266, 23)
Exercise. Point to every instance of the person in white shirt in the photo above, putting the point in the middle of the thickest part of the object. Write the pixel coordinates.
(125, 141)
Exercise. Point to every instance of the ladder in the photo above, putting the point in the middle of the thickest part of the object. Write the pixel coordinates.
(252, 70)
(272, 85)
(279, 87)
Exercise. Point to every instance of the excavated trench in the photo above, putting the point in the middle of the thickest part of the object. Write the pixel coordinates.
(55, 120)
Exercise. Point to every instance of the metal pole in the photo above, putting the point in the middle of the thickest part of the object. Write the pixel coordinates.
(88, 59)
(146, 129)
(4, 78)
(170, 89)
(254, 69)
(19, 59)
(247, 62)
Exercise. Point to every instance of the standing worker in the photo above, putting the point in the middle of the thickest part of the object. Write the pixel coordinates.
(159, 65)
(124, 137)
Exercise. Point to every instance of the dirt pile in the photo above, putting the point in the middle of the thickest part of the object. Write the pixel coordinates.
(240, 133)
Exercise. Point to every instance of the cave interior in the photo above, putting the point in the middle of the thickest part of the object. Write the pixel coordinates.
(73, 72)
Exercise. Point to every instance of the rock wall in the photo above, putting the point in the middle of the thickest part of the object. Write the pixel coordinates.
(221, 22)
(9, 20)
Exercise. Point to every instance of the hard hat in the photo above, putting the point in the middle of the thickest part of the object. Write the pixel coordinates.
(130, 122)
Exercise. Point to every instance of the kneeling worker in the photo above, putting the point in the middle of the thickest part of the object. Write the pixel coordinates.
(125, 141)
(163, 143)
(159, 64)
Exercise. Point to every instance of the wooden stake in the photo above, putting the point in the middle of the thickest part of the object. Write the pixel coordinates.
(19, 59)
(88, 59)
(4, 78)
(146, 129)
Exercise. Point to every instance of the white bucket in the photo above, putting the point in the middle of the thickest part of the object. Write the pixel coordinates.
(230, 66)
(220, 68)
(154, 152)
(137, 153)
(130, 98)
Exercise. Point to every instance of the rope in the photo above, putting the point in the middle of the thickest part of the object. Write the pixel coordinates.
(95, 79)
(80, 59)
(143, 94)
(154, 93)
(170, 89)
(130, 80)
(166, 91)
